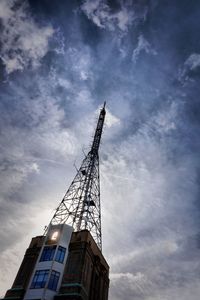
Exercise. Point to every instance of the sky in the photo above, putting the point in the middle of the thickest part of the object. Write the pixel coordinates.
(59, 61)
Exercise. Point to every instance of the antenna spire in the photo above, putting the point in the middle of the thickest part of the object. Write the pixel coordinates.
(80, 206)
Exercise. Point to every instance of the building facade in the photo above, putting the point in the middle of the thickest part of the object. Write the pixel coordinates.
(63, 265)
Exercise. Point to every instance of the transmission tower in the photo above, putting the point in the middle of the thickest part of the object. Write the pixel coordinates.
(80, 206)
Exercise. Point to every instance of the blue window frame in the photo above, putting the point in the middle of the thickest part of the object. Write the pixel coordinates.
(60, 254)
(39, 279)
(53, 281)
(48, 253)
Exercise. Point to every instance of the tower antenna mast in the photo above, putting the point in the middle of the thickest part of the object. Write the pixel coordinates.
(80, 206)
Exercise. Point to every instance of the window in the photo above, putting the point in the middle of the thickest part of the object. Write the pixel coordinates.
(39, 279)
(53, 281)
(48, 253)
(60, 255)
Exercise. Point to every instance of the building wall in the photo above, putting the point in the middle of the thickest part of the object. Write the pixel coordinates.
(26, 269)
(86, 275)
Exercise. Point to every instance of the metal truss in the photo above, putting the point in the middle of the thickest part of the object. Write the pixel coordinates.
(80, 206)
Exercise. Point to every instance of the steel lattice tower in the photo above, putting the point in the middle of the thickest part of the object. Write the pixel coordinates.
(80, 206)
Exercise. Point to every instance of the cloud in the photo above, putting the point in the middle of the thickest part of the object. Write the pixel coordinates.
(31, 138)
(191, 64)
(81, 62)
(133, 285)
(24, 42)
(145, 233)
(149, 155)
(102, 14)
(142, 46)
(111, 119)
(165, 121)
(193, 61)
(150, 213)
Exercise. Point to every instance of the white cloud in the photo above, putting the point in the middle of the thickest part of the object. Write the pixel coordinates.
(102, 15)
(83, 96)
(143, 45)
(81, 63)
(147, 191)
(192, 63)
(35, 167)
(146, 235)
(64, 82)
(133, 286)
(165, 120)
(24, 42)
(5, 11)
(111, 119)
(24, 148)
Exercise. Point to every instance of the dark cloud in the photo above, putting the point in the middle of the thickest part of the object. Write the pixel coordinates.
(59, 62)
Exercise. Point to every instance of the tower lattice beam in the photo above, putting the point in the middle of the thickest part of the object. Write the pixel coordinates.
(80, 206)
